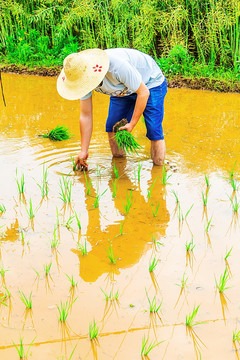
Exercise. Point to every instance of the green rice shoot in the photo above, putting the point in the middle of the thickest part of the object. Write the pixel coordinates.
(93, 330)
(127, 142)
(59, 133)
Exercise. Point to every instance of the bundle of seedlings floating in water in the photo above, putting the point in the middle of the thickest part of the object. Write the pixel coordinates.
(59, 133)
(125, 140)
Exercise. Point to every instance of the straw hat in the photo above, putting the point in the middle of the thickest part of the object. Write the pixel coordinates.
(82, 72)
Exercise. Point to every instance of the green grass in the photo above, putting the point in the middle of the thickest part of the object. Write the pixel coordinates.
(3, 271)
(153, 306)
(63, 310)
(127, 142)
(207, 180)
(83, 248)
(59, 133)
(235, 204)
(228, 253)
(54, 241)
(97, 199)
(155, 241)
(140, 165)
(116, 171)
(78, 221)
(221, 284)
(88, 183)
(69, 222)
(204, 198)
(176, 196)
(65, 189)
(93, 330)
(147, 347)
(207, 227)
(121, 227)
(27, 301)
(110, 254)
(153, 264)
(190, 318)
(114, 184)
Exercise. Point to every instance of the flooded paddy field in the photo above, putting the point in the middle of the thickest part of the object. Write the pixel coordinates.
(126, 216)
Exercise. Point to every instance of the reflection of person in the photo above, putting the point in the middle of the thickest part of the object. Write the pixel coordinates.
(136, 86)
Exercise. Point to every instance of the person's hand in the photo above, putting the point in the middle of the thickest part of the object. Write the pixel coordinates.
(127, 127)
(80, 161)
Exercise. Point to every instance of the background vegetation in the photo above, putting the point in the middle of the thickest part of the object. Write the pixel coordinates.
(197, 37)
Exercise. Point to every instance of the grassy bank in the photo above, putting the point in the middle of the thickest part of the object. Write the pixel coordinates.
(191, 38)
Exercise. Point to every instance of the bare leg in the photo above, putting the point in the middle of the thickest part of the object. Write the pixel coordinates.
(158, 150)
(114, 146)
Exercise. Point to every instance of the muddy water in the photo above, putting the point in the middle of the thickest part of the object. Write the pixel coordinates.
(202, 133)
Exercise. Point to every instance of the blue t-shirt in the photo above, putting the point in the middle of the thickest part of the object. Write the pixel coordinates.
(127, 69)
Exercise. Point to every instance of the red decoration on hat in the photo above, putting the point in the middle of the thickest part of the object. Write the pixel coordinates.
(63, 78)
(97, 68)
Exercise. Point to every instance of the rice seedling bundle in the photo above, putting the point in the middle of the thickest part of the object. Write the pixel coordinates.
(59, 133)
(124, 139)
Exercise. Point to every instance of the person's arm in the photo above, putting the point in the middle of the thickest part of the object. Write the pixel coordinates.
(141, 102)
(86, 126)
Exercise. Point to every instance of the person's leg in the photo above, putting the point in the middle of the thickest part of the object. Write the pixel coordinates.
(119, 108)
(153, 115)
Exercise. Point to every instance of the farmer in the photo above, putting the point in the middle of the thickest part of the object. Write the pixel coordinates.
(136, 86)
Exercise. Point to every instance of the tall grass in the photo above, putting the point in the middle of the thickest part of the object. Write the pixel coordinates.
(42, 30)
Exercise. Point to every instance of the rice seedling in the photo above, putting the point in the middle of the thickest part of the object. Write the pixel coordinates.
(30, 210)
(188, 212)
(153, 306)
(235, 204)
(190, 318)
(44, 186)
(69, 222)
(65, 189)
(37, 273)
(234, 184)
(127, 142)
(208, 225)
(88, 183)
(129, 202)
(73, 163)
(64, 309)
(121, 227)
(176, 196)
(59, 133)
(149, 191)
(98, 170)
(236, 336)
(140, 165)
(114, 184)
(27, 301)
(156, 242)
(110, 254)
(83, 248)
(116, 171)
(228, 253)
(93, 330)
(110, 296)
(58, 221)
(231, 172)
(47, 268)
(54, 241)
(3, 271)
(2, 208)
(153, 264)
(190, 245)
(221, 285)
(147, 347)
(21, 352)
(165, 175)
(97, 199)
(20, 184)
(204, 198)
(72, 281)
(155, 210)
(207, 180)
(183, 281)
(78, 221)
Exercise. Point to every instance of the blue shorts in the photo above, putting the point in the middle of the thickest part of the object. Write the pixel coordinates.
(123, 107)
